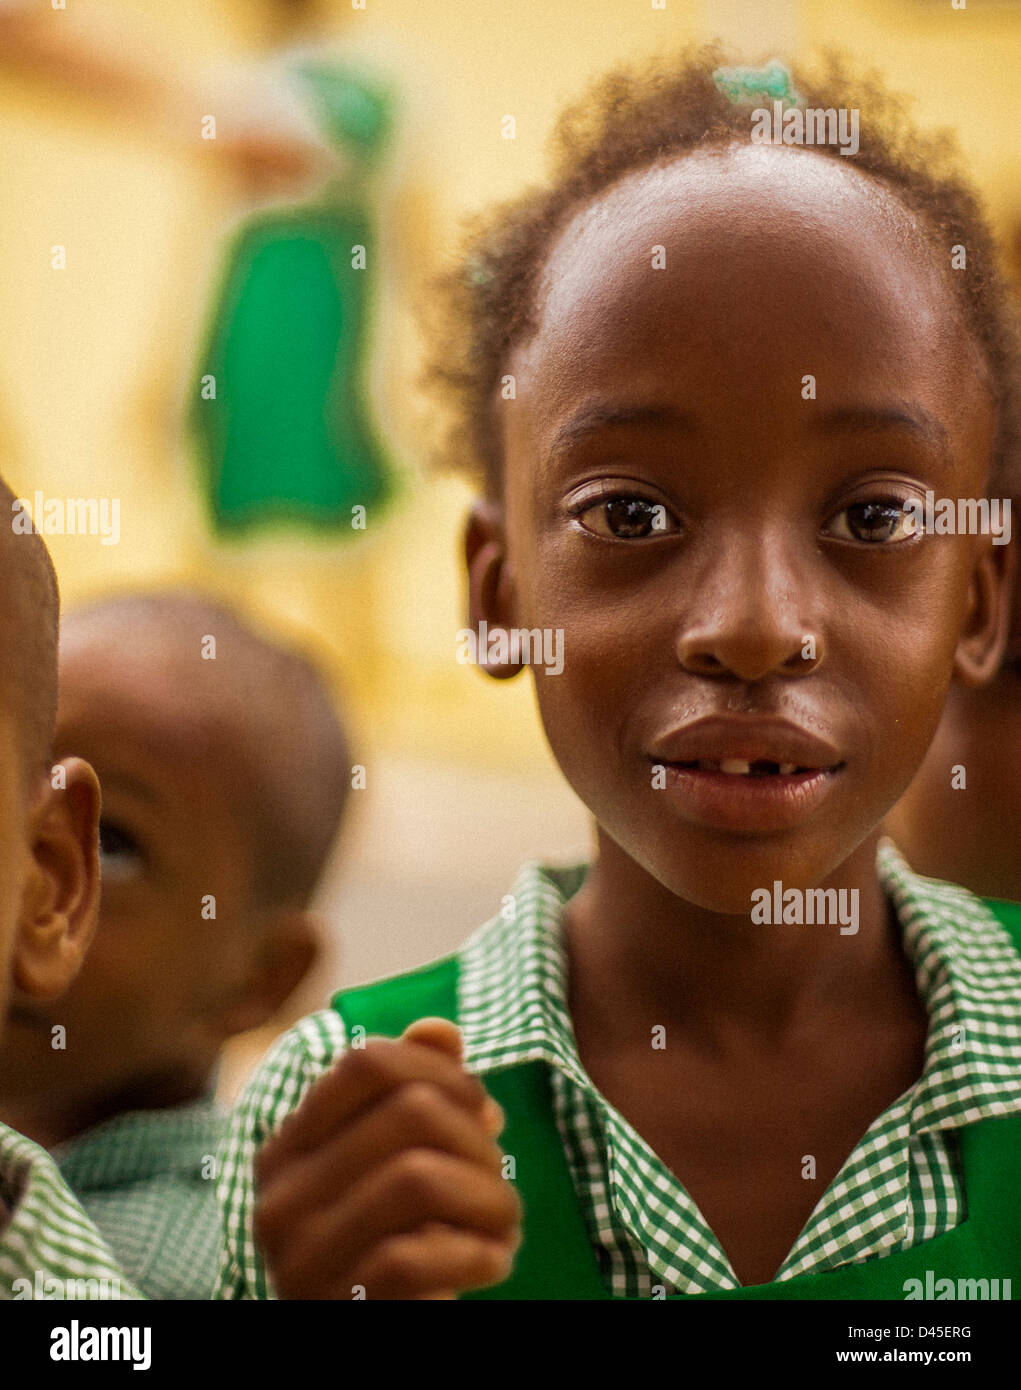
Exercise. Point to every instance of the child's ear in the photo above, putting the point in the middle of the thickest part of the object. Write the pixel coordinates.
(60, 901)
(984, 636)
(490, 582)
(287, 949)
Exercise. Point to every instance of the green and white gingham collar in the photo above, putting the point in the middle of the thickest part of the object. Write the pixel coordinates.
(898, 1187)
(49, 1237)
(141, 1144)
(968, 974)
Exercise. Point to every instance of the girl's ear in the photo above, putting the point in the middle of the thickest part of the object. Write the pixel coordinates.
(984, 636)
(491, 596)
(60, 899)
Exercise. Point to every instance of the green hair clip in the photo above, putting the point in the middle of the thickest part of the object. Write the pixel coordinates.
(745, 84)
(476, 272)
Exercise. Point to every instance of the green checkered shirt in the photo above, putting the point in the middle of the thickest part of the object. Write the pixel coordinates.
(901, 1185)
(49, 1248)
(146, 1178)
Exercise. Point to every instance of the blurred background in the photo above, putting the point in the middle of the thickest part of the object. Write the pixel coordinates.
(106, 154)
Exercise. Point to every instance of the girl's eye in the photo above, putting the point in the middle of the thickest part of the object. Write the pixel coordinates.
(626, 518)
(875, 523)
(120, 857)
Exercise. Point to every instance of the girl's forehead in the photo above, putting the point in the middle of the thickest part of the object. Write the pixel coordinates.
(733, 206)
(748, 248)
(794, 179)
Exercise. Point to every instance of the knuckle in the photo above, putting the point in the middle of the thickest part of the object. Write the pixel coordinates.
(416, 1178)
(369, 1064)
(418, 1105)
(400, 1261)
(495, 1264)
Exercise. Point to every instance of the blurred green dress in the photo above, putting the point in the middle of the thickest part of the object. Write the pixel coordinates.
(281, 424)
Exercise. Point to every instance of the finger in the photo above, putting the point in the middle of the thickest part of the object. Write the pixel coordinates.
(417, 1116)
(436, 1032)
(418, 1188)
(433, 1264)
(356, 1082)
(446, 1037)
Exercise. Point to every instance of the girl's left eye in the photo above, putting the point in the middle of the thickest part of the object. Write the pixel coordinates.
(624, 517)
(882, 522)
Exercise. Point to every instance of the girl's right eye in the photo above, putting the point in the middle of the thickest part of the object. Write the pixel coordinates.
(879, 521)
(621, 516)
(120, 857)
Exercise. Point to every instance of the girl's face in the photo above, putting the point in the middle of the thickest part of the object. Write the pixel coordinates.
(745, 362)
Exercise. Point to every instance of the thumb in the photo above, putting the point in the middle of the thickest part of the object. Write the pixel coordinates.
(446, 1037)
(436, 1032)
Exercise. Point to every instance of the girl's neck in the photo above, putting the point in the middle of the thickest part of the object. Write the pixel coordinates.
(650, 955)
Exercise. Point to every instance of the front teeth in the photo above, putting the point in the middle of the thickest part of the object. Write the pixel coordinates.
(737, 766)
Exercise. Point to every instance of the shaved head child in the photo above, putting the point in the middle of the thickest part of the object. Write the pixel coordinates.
(49, 868)
(709, 379)
(224, 773)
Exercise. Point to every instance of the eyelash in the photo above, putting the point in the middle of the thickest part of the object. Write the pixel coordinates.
(607, 499)
(889, 504)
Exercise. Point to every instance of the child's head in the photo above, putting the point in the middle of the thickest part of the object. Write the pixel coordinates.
(959, 818)
(699, 378)
(48, 858)
(224, 772)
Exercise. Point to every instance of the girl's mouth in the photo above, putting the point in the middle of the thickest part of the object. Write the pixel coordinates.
(738, 767)
(747, 797)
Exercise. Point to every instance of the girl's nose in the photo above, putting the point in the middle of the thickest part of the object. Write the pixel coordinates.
(752, 615)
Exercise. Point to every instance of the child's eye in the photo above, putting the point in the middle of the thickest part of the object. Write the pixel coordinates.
(625, 517)
(875, 523)
(120, 857)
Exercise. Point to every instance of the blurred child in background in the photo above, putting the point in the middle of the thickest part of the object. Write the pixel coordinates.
(961, 817)
(224, 774)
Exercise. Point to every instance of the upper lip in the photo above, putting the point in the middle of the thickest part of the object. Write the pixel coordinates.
(752, 739)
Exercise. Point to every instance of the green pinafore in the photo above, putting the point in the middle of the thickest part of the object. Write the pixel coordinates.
(556, 1260)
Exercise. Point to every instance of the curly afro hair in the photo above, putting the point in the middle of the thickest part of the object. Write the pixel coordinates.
(668, 107)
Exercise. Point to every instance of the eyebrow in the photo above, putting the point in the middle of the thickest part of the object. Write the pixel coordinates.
(591, 419)
(873, 419)
(855, 419)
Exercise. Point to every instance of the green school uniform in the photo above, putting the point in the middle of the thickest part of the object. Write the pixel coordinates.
(927, 1188)
(146, 1178)
(49, 1249)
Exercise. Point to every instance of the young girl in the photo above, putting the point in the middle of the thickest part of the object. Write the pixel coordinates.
(707, 377)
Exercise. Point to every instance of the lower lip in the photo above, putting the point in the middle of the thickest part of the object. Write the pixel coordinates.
(725, 801)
